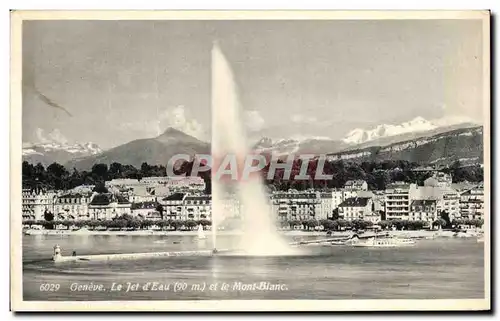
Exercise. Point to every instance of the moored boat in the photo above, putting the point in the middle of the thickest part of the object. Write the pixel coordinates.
(379, 241)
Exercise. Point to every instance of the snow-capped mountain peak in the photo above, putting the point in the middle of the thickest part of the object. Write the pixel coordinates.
(358, 135)
(60, 152)
(86, 148)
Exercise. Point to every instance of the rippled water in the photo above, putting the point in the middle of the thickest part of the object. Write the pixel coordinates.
(432, 269)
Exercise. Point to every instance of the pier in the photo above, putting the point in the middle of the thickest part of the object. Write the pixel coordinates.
(58, 257)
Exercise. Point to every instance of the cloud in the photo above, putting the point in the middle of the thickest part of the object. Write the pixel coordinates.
(453, 118)
(297, 118)
(253, 120)
(174, 117)
(55, 136)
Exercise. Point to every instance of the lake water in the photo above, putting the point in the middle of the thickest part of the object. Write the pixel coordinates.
(431, 269)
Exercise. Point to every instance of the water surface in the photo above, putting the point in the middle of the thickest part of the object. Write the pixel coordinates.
(432, 269)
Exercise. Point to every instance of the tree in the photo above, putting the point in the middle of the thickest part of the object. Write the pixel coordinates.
(399, 224)
(341, 223)
(335, 214)
(57, 176)
(445, 217)
(205, 222)
(439, 223)
(134, 224)
(177, 224)
(48, 216)
(191, 224)
(145, 224)
(385, 224)
(294, 223)
(100, 188)
(115, 170)
(100, 171)
(361, 224)
(159, 209)
(457, 222)
(312, 223)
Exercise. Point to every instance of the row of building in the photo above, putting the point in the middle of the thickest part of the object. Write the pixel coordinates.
(150, 200)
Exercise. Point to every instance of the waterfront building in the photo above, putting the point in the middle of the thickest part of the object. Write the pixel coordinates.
(337, 198)
(378, 198)
(472, 203)
(356, 208)
(373, 217)
(423, 210)
(306, 205)
(324, 209)
(450, 203)
(397, 200)
(145, 210)
(107, 206)
(447, 199)
(36, 202)
(196, 207)
(172, 206)
(72, 206)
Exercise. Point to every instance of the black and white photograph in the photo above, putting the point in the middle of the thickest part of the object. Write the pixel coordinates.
(235, 160)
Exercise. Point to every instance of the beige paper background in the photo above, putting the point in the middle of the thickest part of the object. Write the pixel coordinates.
(17, 303)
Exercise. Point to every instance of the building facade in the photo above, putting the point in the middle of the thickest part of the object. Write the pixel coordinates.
(472, 204)
(172, 206)
(356, 185)
(423, 210)
(35, 203)
(145, 210)
(72, 206)
(307, 205)
(397, 200)
(108, 206)
(196, 207)
(356, 208)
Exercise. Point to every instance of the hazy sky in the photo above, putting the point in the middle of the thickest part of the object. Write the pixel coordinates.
(321, 78)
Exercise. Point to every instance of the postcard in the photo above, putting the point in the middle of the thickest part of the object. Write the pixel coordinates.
(250, 160)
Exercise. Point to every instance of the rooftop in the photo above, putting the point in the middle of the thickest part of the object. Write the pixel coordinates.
(423, 203)
(107, 198)
(355, 202)
(174, 197)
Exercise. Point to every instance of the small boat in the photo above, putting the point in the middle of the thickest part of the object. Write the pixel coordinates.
(201, 233)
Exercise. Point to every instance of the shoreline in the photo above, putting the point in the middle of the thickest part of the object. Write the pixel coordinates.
(407, 234)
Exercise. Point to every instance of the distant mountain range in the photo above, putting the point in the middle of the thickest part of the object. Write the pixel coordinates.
(48, 153)
(359, 136)
(417, 140)
(443, 148)
(157, 150)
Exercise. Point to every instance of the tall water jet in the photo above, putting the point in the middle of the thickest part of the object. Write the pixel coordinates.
(260, 236)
